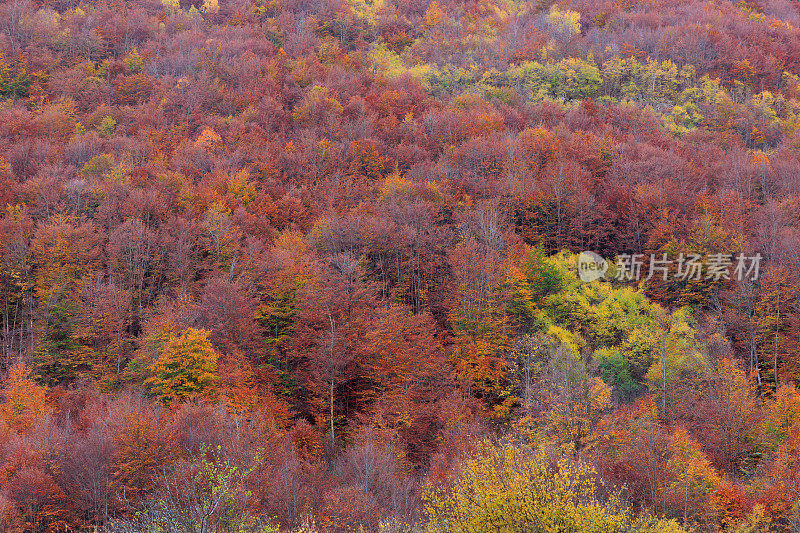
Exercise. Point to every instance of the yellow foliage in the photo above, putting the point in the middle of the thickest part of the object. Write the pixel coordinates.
(395, 185)
(434, 16)
(508, 489)
(210, 7)
(5, 166)
(388, 63)
(241, 186)
(134, 61)
(367, 10)
(186, 368)
(223, 234)
(760, 159)
(171, 5)
(208, 139)
(599, 395)
(780, 415)
(566, 23)
(694, 477)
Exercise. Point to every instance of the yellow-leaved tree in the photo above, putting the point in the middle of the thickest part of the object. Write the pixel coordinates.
(210, 7)
(509, 489)
(185, 368)
(694, 479)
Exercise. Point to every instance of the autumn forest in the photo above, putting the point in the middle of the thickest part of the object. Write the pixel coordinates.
(316, 266)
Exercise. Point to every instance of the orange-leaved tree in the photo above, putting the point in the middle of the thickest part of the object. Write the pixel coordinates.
(24, 399)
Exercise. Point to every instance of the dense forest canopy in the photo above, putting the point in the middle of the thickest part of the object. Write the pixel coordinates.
(315, 265)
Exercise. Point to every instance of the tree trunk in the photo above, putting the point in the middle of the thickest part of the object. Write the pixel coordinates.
(777, 326)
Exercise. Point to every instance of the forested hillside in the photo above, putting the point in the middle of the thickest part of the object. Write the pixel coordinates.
(313, 266)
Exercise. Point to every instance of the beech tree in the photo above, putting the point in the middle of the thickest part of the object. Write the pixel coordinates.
(518, 490)
(337, 309)
(24, 399)
(185, 368)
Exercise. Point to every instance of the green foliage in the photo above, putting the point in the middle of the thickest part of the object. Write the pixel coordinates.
(217, 478)
(277, 316)
(277, 320)
(502, 106)
(13, 84)
(618, 313)
(615, 370)
(624, 330)
(151, 346)
(652, 81)
(519, 297)
(133, 61)
(544, 275)
(452, 79)
(60, 358)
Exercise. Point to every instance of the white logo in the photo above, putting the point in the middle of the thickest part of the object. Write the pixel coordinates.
(591, 266)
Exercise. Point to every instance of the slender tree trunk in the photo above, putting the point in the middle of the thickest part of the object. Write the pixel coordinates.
(663, 379)
(777, 327)
(754, 359)
(332, 371)
(6, 348)
(685, 503)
